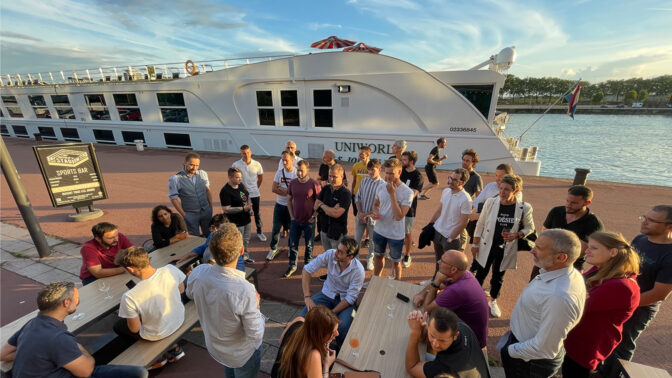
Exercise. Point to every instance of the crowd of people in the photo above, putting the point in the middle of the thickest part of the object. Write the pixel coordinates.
(569, 318)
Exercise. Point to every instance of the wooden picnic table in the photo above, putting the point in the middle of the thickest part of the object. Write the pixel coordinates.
(382, 338)
(92, 301)
(635, 370)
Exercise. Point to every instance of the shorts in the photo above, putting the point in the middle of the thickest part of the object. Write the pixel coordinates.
(431, 174)
(408, 224)
(380, 244)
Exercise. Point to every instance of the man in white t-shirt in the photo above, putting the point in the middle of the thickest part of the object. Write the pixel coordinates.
(152, 309)
(392, 201)
(450, 220)
(253, 175)
(291, 147)
(281, 217)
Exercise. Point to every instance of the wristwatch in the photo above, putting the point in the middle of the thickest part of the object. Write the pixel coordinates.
(434, 285)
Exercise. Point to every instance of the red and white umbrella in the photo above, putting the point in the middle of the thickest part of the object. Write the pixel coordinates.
(332, 42)
(362, 47)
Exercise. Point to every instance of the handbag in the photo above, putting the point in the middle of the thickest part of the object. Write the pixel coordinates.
(526, 243)
(356, 373)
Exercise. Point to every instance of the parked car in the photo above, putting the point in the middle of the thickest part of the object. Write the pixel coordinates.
(620, 106)
(637, 105)
(604, 106)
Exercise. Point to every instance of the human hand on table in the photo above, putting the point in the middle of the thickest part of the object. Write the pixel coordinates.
(186, 257)
(417, 321)
(419, 299)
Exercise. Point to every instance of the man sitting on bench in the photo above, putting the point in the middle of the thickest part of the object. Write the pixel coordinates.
(152, 309)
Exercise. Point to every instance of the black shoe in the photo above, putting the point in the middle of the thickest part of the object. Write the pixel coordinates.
(289, 271)
(323, 277)
(317, 238)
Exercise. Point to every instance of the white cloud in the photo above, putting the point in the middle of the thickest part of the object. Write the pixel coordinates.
(317, 26)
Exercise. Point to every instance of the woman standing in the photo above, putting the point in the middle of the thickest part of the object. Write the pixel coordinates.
(167, 227)
(502, 221)
(304, 346)
(613, 295)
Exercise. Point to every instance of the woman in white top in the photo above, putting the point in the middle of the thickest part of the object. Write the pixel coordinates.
(503, 221)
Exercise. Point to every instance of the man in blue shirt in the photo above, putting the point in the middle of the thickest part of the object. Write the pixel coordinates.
(345, 277)
(44, 347)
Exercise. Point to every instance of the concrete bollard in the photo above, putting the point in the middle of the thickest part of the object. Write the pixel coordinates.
(581, 176)
(139, 144)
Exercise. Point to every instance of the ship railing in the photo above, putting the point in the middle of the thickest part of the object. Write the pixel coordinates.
(142, 72)
(518, 152)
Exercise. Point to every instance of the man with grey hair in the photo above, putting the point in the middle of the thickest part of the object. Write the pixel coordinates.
(398, 148)
(228, 306)
(44, 347)
(547, 309)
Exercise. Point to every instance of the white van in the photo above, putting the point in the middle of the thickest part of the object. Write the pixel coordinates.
(637, 105)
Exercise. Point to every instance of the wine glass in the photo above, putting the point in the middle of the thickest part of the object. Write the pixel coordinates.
(104, 286)
(354, 344)
(505, 234)
(78, 316)
(390, 311)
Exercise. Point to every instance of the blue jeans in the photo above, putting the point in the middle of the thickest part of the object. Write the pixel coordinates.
(249, 370)
(281, 219)
(119, 371)
(295, 231)
(344, 316)
(632, 328)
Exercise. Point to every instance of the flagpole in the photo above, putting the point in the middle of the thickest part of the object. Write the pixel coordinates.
(520, 138)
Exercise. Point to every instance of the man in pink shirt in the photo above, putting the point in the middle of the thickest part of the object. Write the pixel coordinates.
(98, 253)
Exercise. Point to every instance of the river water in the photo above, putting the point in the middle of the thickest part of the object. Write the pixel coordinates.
(635, 149)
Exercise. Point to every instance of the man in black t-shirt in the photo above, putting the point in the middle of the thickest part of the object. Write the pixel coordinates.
(458, 351)
(237, 206)
(332, 206)
(475, 183)
(433, 160)
(575, 216)
(413, 179)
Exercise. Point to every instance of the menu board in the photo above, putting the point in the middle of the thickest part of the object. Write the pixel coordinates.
(71, 173)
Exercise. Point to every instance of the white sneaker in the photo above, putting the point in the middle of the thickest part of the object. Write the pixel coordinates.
(494, 309)
(271, 254)
(369, 262)
(406, 261)
(261, 237)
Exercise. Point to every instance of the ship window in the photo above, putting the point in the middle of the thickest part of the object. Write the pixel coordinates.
(12, 106)
(264, 98)
(323, 114)
(70, 134)
(289, 101)
(62, 106)
(177, 140)
(265, 105)
(104, 136)
(97, 107)
(131, 136)
(130, 114)
(47, 132)
(20, 131)
(479, 95)
(4, 130)
(266, 117)
(125, 99)
(172, 107)
(39, 106)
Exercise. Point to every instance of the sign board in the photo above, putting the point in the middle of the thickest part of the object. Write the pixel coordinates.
(71, 173)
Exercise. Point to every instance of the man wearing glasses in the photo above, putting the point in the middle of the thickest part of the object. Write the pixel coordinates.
(654, 245)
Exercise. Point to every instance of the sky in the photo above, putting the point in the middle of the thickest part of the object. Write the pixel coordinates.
(571, 39)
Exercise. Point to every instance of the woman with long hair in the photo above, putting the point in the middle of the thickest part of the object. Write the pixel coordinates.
(167, 227)
(304, 346)
(502, 222)
(613, 295)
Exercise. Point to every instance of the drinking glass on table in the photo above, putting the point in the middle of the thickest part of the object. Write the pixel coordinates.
(354, 344)
(505, 234)
(104, 286)
(390, 311)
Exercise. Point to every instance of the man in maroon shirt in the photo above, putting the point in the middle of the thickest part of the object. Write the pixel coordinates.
(98, 253)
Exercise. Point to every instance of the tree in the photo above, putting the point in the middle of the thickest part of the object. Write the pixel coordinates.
(630, 96)
(597, 98)
(643, 95)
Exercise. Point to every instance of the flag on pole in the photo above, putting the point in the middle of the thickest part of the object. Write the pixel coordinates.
(573, 100)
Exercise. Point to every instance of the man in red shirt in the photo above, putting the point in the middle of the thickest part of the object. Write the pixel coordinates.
(98, 253)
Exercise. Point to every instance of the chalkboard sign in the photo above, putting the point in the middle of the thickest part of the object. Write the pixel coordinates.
(71, 173)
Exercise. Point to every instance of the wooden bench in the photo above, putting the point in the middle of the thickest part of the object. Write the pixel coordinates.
(144, 352)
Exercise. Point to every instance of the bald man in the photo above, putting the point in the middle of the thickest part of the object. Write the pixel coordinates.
(456, 289)
(291, 146)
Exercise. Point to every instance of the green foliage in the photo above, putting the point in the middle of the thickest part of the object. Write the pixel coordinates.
(643, 95)
(597, 98)
(630, 96)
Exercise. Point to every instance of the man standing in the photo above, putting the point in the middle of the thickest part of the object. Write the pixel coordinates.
(364, 202)
(291, 147)
(547, 309)
(152, 310)
(189, 192)
(281, 218)
(253, 175)
(654, 245)
(413, 179)
(301, 196)
(345, 277)
(458, 354)
(475, 183)
(398, 148)
(328, 161)
(393, 200)
(236, 204)
(492, 189)
(575, 216)
(451, 218)
(435, 158)
(461, 294)
(359, 171)
(332, 206)
(44, 347)
(98, 253)
(228, 307)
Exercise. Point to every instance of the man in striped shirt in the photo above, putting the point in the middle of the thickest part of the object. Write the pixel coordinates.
(364, 202)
